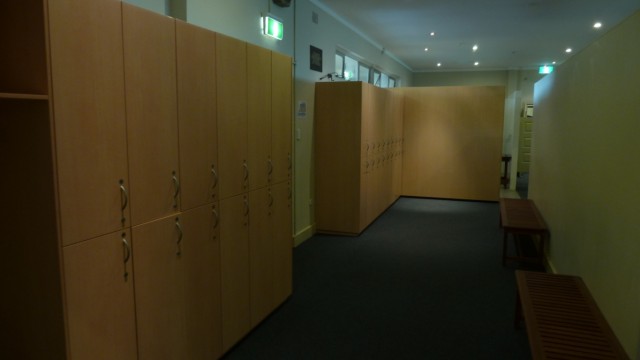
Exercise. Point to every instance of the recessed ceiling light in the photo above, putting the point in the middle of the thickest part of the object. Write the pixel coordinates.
(568, 50)
(426, 49)
(554, 63)
(476, 63)
(433, 33)
(439, 64)
(475, 48)
(597, 25)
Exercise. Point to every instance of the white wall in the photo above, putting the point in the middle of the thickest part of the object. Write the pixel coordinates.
(585, 175)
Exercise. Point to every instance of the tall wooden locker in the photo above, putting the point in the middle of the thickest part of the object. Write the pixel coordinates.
(353, 155)
(123, 242)
(64, 122)
(150, 79)
(197, 115)
(231, 68)
(259, 116)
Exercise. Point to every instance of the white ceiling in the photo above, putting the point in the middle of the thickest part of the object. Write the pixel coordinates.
(510, 34)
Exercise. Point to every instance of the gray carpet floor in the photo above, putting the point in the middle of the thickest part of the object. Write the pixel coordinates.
(424, 281)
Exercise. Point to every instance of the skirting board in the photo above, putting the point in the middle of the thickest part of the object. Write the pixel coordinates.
(303, 235)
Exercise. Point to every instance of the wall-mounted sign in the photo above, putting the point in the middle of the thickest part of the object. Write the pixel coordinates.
(272, 27)
(302, 109)
(315, 58)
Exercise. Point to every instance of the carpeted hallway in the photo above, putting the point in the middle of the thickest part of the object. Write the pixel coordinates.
(425, 281)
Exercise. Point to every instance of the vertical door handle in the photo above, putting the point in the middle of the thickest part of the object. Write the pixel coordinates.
(124, 201)
(270, 199)
(289, 160)
(246, 207)
(127, 254)
(270, 167)
(216, 217)
(179, 240)
(176, 185)
(214, 173)
(245, 180)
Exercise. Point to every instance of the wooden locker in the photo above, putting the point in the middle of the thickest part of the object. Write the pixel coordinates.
(152, 117)
(235, 273)
(89, 116)
(197, 116)
(99, 284)
(231, 67)
(259, 116)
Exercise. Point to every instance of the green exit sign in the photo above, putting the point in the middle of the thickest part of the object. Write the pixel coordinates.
(272, 27)
(545, 69)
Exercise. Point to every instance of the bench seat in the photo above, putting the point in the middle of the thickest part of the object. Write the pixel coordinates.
(562, 319)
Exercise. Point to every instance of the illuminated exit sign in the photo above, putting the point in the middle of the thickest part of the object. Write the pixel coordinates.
(545, 69)
(272, 27)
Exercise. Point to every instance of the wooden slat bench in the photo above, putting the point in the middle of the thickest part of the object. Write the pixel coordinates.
(521, 216)
(562, 319)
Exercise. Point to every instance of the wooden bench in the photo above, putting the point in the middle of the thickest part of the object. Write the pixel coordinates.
(562, 319)
(521, 216)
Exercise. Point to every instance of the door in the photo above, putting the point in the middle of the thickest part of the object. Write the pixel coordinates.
(234, 256)
(159, 286)
(99, 298)
(231, 67)
(152, 124)
(89, 117)
(259, 115)
(281, 219)
(281, 118)
(261, 254)
(201, 279)
(196, 53)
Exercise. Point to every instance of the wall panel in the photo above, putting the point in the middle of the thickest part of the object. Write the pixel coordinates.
(453, 142)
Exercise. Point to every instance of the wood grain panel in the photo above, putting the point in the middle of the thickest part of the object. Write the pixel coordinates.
(453, 142)
(281, 218)
(231, 65)
(197, 114)
(89, 112)
(100, 304)
(159, 289)
(281, 117)
(235, 273)
(259, 115)
(152, 124)
(201, 278)
(261, 259)
(337, 156)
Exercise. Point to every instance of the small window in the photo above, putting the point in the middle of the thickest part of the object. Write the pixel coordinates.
(350, 68)
(339, 63)
(363, 73)
(392, 82)
(384, 80)
(376, 78)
